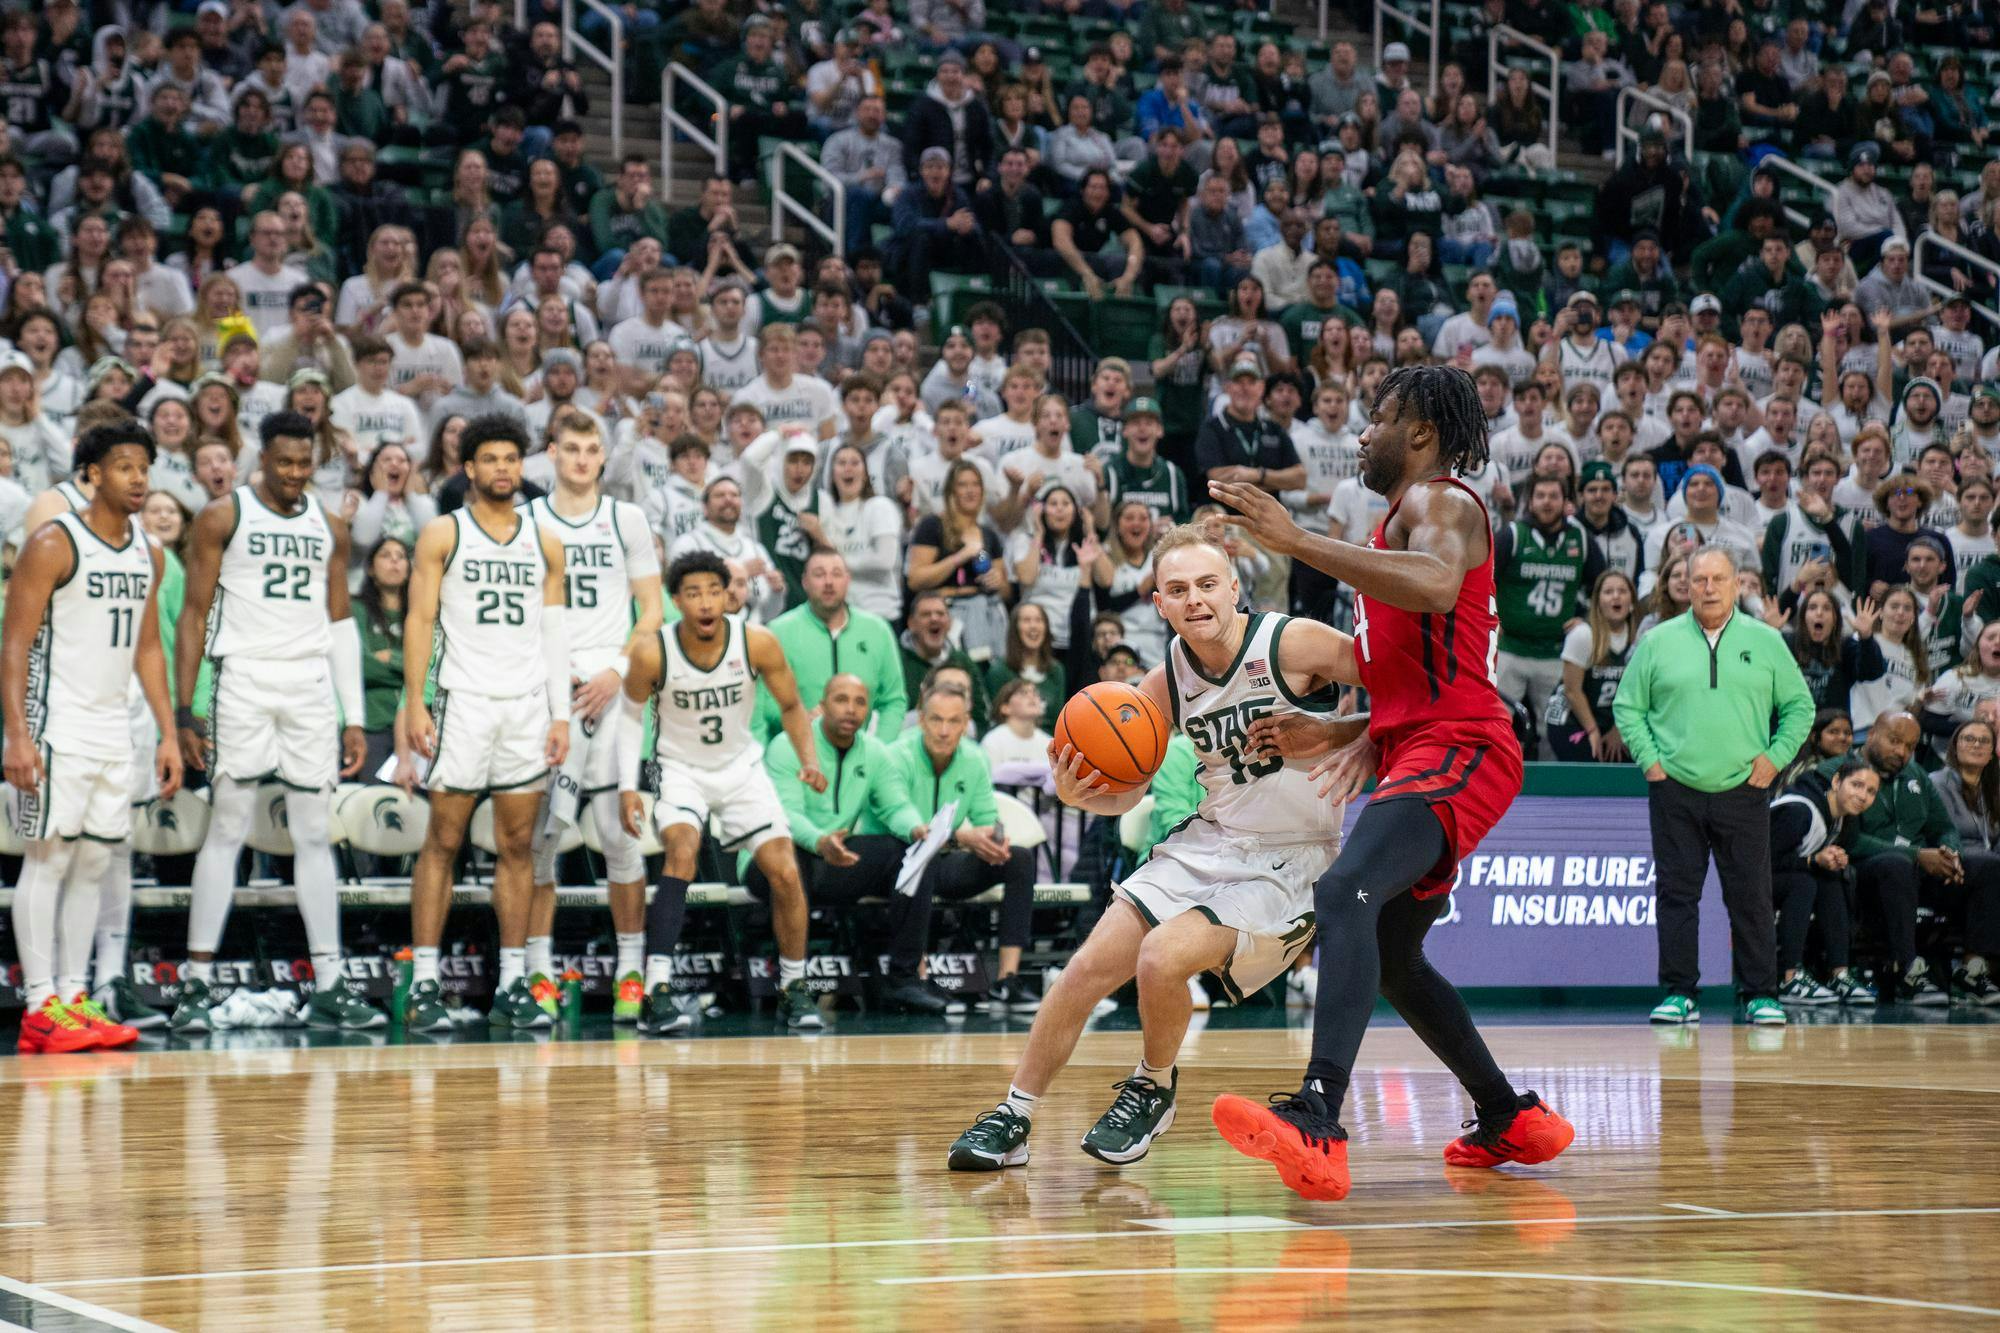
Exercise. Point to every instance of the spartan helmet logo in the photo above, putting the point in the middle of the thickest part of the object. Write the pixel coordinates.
(278, 812)
(1126, 712)
(387, 815)
(165, 817)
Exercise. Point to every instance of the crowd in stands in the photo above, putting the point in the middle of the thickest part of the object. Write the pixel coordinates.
(386, 218)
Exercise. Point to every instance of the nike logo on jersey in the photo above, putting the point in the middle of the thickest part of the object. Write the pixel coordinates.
(1187, 698)
(1361, 895)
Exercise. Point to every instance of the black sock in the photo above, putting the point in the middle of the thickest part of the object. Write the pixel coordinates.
(665, 915)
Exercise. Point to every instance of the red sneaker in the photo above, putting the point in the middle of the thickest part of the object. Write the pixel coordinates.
(1298, 1134)
(1532, 1134)
(54, 1030)
(110, 1036)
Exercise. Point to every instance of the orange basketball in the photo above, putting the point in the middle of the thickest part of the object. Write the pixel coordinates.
(1119, 732)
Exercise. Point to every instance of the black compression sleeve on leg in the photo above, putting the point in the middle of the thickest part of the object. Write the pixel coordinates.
(665, 915)
(1431, 1005)
(1393, 844)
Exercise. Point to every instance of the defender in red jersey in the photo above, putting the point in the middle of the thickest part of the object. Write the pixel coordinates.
(1442, 746)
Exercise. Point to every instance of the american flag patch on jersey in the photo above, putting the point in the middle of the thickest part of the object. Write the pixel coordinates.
(1259, 672)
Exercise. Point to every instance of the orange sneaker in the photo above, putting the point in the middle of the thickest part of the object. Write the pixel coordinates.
(53, 1029)
(1297, 1133)
(1531, 1133)
(110, 1036)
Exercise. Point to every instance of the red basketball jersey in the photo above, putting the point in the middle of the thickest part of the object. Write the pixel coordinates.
(1425, 671)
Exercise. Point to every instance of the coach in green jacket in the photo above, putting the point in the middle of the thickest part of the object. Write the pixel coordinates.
(826, 636)
(1695, 708)
(941, 764)
(852, 836)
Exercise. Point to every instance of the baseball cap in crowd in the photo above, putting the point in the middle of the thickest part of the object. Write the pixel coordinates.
(213, 7)
(1865, 151)
(1246, 365)
(1651, 134)
(1147, 407)
(779, 253)
(1581, 298)
(1981, 391)
(801, 442)
(104, 365)
(934, 154)
(1394, 52)
(1032, 56)
(1503, 305)
(1624, 296)
(877, 334)
(951, 58)
(309, 375)
(1705, 304)
(1126, 651)
(955, 331)
(1958, 298)
(16, 361)
(1599, 470)
(1895, 243)
(562, 356)
(110, 363)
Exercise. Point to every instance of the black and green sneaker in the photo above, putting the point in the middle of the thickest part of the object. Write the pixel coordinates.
(119, 999)
(424, 1009)
(341, 1005)
(663, 1014)
(998, 1139)
(197, 1002)
(515, 1007)
(1142, 1111)
(798, 1008)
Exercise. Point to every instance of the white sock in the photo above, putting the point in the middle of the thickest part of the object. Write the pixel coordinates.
(659, 970)
(114, 917)
(1020, 1103)
(631, 951)
(513, 966)
(540, 955)
(326, 970)
(790, 970)
(78, 918)
(1163, 1077)
(423, 965)
(199, 969)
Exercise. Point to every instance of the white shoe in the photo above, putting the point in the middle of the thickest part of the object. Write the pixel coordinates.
(1302, 988)
(1197, 995)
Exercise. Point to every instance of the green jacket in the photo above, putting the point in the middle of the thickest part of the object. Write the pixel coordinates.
(866, 648)
(154, 149)
(235, 159)
(865, 792)
(1177, 789)
(1908, 814)
(33, 241)
(381, 677)
(1053, 687)
(967, 779)
(615, 228)
(915, 668)
(1704, 714)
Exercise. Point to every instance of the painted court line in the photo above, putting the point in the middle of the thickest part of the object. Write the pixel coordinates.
(33, 1305)
(1050, 1237)
(1208, 1226)
(1698, 1208)
(1587, 1279)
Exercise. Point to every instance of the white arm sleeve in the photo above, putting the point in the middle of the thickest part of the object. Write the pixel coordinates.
(631, 749)
(642, 558)
(555, 660)
(344, 658)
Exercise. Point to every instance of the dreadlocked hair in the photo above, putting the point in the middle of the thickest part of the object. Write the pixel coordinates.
(1445, 397)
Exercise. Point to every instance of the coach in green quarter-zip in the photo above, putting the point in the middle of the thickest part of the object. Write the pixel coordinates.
(1695, 708)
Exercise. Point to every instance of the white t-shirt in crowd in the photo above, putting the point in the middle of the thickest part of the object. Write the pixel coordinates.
(807, 401)
(372, 418)
(636, 343)
(267, 297)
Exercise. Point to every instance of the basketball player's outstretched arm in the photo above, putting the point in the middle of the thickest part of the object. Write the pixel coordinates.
(1440, 533)
(555, 648)
(344, 656)
(47, 559)
(1082, 788)
(149, 664)
(415, 733)
(767, 659)
(213, 528)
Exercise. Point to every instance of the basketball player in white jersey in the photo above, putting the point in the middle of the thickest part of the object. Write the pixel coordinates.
(82, 617)
(1230, 891)
(609, 562)
(487, 582)
(703, 671)
(267, 602)
(112, 987)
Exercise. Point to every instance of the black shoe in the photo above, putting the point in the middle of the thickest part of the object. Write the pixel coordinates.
(916, 995)
(1024, 992)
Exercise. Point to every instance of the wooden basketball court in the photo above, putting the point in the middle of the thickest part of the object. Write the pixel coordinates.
(1822, 1177)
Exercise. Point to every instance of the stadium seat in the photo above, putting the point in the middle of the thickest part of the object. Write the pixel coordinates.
(381, 820)
(1022, 825)
(270, 825)
(171, 828)
(1135, 826)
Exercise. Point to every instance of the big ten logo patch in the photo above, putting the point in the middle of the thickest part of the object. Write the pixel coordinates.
(826, 974)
